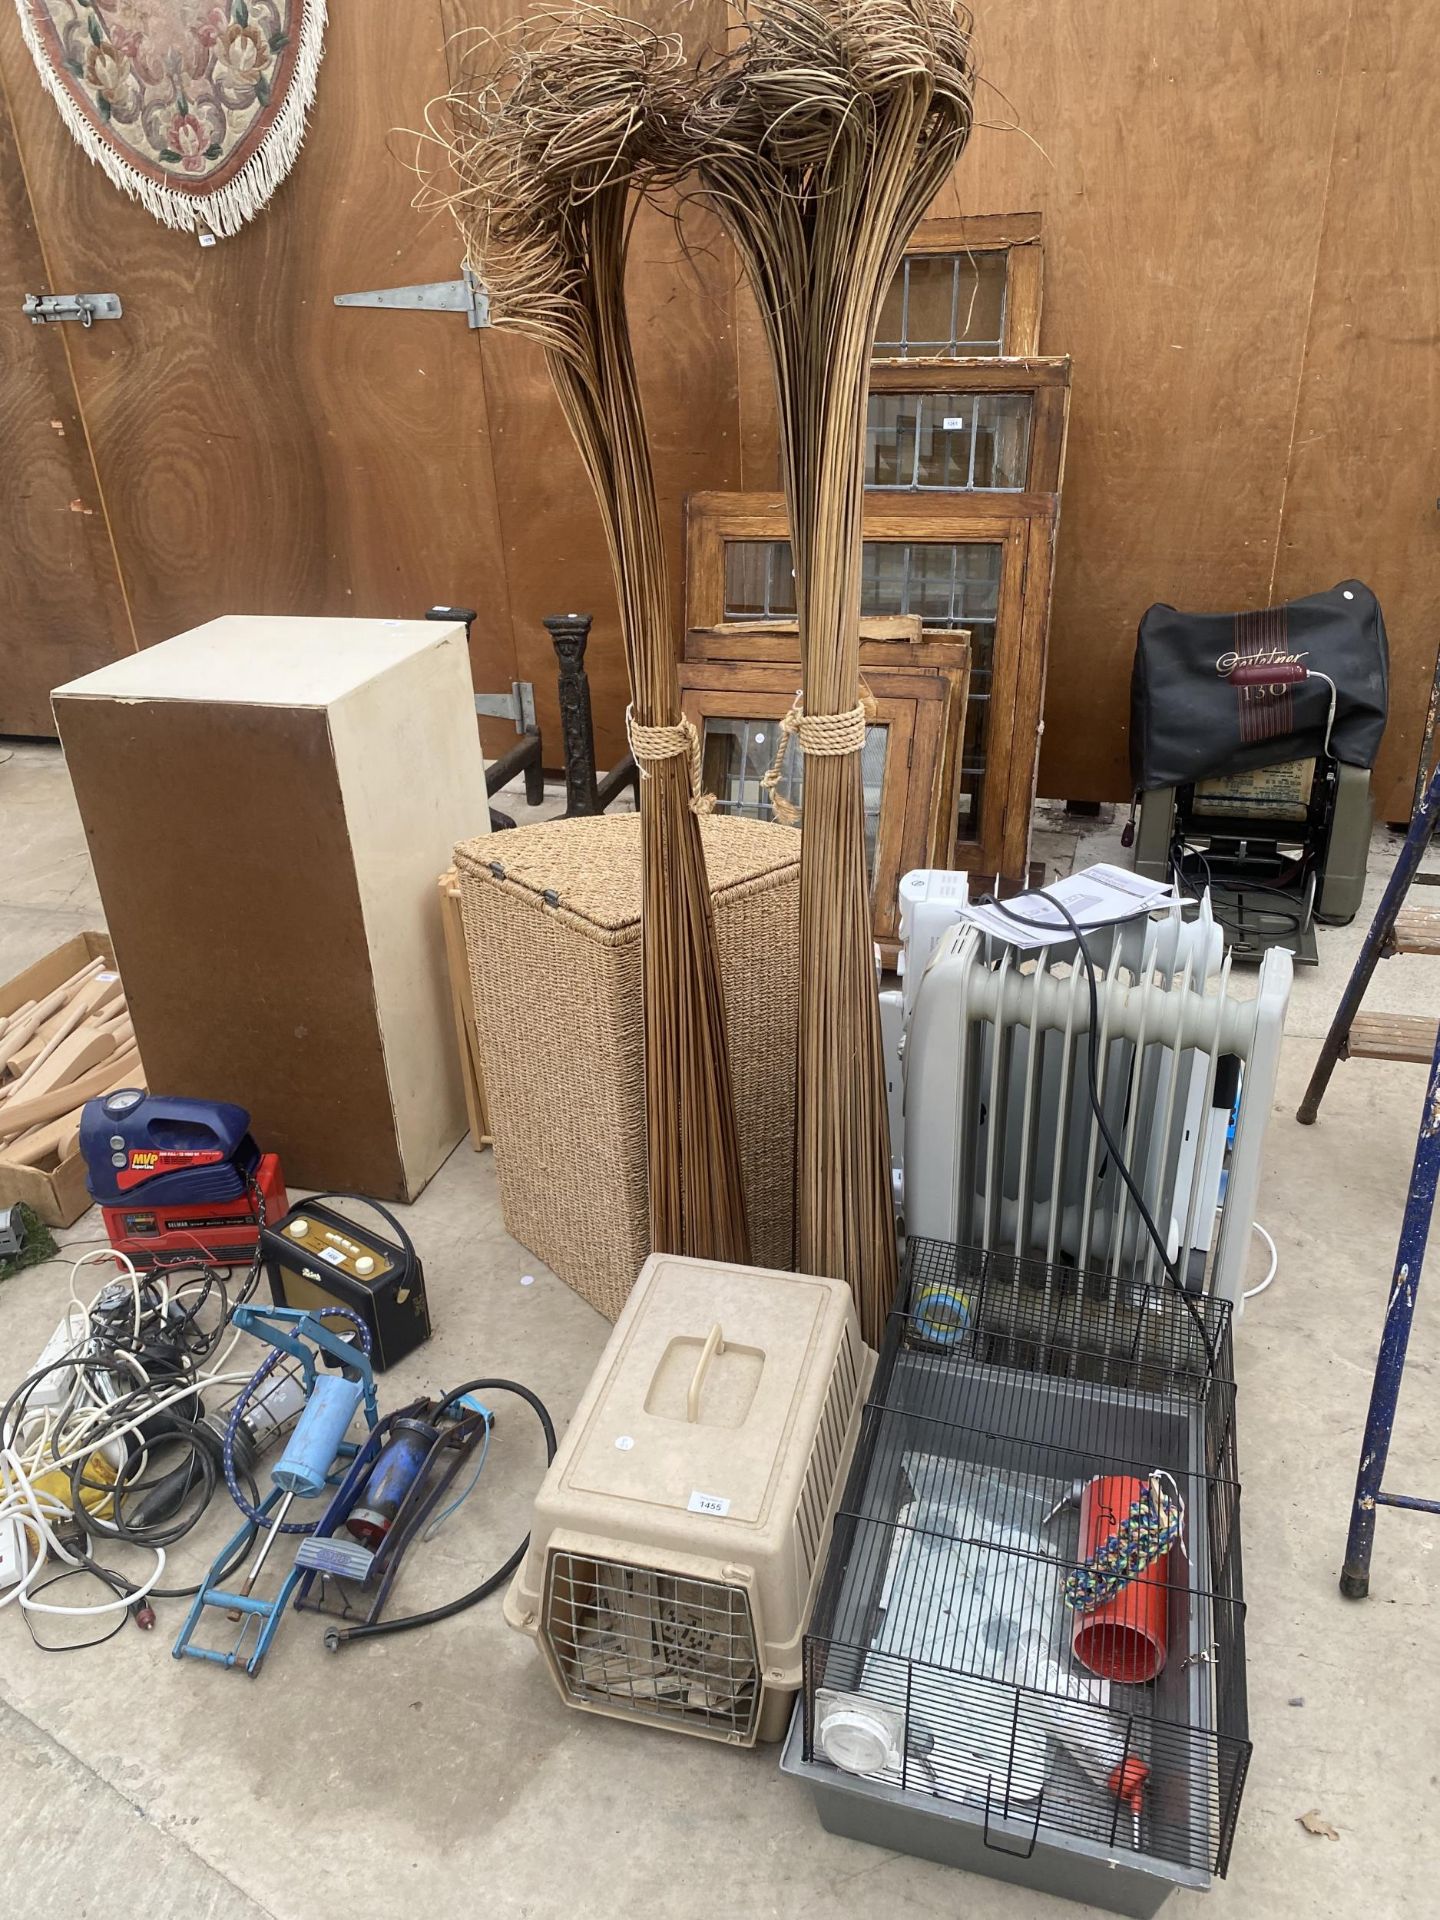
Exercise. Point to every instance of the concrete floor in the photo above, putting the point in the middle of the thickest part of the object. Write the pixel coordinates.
(440, 1774)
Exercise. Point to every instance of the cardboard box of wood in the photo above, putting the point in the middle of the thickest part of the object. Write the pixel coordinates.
(65, 1036)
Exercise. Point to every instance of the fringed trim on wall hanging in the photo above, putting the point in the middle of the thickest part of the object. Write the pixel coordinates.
(196, 110)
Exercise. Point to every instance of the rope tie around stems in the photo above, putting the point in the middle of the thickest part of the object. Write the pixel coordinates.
(650, 745)
(817, 733)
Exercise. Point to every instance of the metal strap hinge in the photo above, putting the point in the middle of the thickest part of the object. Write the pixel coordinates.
(517, 705)
(465, 295)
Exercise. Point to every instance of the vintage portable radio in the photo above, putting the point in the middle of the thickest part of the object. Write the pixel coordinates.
(317, 1257)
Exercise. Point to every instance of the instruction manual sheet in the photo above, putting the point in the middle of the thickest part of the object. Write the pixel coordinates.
(1096, 897)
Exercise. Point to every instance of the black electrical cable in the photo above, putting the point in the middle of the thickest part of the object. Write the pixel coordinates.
(204, 1446)
(182, 1318)
(337, 1637)
(117, 1585)
(1293, 921)
(1169, 1267)
(129, 1480)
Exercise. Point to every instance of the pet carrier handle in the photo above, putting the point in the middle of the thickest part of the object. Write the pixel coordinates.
(1256, 673)
(714, 1343)
(1014, 1852)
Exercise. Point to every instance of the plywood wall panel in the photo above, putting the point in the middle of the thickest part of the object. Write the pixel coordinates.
(1365, 463)
(258, 448)
(1240, 255)
(61, 608)
(1181, 182)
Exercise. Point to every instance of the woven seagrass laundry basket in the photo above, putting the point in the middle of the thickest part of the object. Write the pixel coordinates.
(552, 938)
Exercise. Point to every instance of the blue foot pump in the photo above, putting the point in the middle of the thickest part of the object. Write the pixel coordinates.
(314, 1457)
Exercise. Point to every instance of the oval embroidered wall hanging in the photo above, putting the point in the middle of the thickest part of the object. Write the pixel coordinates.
(195, 107)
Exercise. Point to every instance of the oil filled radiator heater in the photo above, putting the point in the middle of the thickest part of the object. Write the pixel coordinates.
(1002, 1152)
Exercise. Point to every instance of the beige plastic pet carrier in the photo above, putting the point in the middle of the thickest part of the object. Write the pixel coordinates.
(681, 1532)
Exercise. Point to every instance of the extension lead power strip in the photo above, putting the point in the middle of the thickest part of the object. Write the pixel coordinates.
(48, 1392)
(55, 1387)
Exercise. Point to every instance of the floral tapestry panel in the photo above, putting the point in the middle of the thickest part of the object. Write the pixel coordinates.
(196, 107)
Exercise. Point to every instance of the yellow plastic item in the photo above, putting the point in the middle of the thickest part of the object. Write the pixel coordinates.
(56, 1485)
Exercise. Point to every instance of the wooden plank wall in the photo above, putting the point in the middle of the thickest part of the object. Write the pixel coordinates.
(1174, 152)
(61, 608)
(1242, 252)
(257, 448)
(1241, 255)
(1363, 490)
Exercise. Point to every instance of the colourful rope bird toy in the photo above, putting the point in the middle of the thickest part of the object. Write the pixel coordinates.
(1145, 1535)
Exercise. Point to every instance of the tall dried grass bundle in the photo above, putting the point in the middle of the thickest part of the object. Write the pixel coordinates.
(819, 142)
(549, 145)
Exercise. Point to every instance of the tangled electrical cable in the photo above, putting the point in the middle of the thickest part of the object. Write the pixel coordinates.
(1280, 920)
(84, 1437)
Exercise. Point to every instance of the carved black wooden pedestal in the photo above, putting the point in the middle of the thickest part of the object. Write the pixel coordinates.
(584, 794)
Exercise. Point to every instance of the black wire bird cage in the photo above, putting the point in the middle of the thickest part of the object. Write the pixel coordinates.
(1027, 1654)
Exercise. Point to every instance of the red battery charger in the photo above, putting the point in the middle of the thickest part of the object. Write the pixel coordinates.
(179, 1180)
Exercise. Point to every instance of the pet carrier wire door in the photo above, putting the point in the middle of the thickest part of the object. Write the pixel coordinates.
(947, 1709)
(1001, 1146)
(679, 1535)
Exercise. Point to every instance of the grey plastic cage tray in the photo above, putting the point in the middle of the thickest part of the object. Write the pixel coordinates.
(956, 1836)
(1009, 1414)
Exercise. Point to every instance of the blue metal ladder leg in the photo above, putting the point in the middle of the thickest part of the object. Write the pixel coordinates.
(1395, 1337)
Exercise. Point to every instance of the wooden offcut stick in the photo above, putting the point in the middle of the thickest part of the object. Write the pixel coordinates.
(40, 1142)
(26, 1029)
(56, 1137)
(91, 996)
(71, 1057)
(13, 1018)
(18, 1116)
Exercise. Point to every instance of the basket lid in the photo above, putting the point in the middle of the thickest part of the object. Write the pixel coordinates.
(591, 867)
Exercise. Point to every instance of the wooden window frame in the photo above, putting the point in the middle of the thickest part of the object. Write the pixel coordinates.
(895, 641)
(1047, 380)
(886, 640)
(1023, 526)
(924, 719)
(1017, 235)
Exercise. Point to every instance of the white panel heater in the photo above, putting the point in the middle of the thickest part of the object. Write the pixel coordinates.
(1002, 1148)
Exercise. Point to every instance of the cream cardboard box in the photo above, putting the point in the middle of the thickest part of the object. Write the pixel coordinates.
(267, 802)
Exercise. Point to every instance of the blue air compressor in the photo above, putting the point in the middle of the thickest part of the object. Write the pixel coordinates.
(178, 1179)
